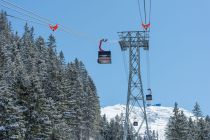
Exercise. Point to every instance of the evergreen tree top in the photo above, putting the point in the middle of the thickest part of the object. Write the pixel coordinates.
(51, 42)
(197, 110)
(176, 109)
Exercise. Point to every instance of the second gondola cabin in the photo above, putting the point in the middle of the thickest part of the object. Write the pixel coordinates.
(149, 97)
(104, 57)
(135, 123)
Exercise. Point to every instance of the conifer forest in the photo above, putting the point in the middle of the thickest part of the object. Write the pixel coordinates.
(42, 96)
(196, 127)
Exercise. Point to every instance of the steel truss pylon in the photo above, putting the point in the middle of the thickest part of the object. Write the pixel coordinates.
(133, 41)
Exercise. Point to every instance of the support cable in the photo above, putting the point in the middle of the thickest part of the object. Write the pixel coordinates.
(44, 20)
(9, 15)
(148, 70)
(139, 7)
(145, 13)
(24, 14)
(147, 53)
(27, 11)
(40, 17)
(125, 66)
(145, 21)
(150, 10)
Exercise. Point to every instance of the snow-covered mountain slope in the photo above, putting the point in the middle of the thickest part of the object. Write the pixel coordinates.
(157, 116)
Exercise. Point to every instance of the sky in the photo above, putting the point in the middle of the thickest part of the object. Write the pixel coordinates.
(179, 45)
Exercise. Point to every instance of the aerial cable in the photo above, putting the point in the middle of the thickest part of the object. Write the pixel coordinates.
(145, 13)
(45, 21)
(67, 30)
(139, 7)
(146, 27)
(125, 65)
(146, 19)
(148, 55)
(41, 19)
(148, 69)
(31, 13)
(24, 14)
(150, 9)
(25, 19)
(36, 18)
(36, 15)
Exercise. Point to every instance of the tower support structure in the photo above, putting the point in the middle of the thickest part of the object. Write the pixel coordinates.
(132, 41)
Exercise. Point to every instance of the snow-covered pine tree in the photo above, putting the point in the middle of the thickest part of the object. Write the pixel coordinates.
(64, 104)
(192, 133)
(42, 58)
(183, 126)
(28, 48)
(92, 109)
(89, 102)
(197, 111)
(118, 127)
(71, 104)
(21, 81)
(5, 30)
(207, 121)
(104, 128)
(77, 120)
(96, 103)
(10, 116)
(50, 86)
(10, 125)
(82, 79)
(29, 80)
(53, 63)
(154, 135)
(62, 65)
(44, 108)
(202, 132)
(131, 134)
(112, 130)
(8, 99)
(62, 131)
(177, 125)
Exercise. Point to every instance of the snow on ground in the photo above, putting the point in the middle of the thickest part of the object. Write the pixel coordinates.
(157, 116)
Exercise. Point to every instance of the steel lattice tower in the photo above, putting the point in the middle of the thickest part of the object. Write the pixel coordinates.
(133, 41)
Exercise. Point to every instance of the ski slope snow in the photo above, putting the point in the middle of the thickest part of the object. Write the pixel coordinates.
(158, 116)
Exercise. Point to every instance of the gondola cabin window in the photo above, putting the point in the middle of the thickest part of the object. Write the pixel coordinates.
(104, 57)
